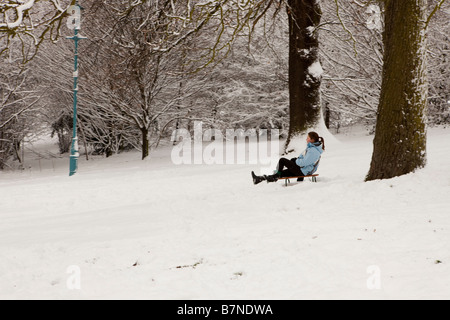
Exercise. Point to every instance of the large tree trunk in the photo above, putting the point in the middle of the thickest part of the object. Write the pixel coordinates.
(400, 134)
(304, 67)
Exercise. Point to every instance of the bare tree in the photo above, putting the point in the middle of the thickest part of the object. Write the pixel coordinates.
(17, 101)
(128, 80)
(232, 18)
(353, 58)
(439, 66)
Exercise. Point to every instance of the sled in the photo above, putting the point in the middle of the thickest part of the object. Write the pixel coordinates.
(287, 179)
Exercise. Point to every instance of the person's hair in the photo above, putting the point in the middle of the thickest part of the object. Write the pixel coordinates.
(315, 136)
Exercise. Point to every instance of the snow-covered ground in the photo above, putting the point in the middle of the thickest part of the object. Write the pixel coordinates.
(123, 228)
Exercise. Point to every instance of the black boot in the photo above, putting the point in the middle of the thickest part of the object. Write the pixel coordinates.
(272, 178)
(257, 179)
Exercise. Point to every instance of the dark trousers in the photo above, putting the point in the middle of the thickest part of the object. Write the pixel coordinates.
(292, 169)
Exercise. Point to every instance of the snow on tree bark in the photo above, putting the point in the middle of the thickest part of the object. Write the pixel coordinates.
(400, 134)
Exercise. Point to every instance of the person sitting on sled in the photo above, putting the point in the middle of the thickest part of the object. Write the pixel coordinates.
(306, 164)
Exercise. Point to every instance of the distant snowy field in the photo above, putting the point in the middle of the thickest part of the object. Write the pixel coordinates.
(123, 228)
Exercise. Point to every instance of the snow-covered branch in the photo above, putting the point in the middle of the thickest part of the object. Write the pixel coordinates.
(20, 8)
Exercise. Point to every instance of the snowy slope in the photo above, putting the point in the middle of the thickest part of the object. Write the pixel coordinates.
(129, 229)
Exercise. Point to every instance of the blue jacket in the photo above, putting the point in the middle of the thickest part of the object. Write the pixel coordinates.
(309, 157)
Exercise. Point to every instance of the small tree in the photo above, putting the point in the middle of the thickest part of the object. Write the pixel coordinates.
(129, 80)
(17, 102)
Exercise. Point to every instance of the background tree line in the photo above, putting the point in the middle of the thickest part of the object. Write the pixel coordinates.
(145, 73)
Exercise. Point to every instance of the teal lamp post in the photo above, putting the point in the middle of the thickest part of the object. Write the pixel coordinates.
(74, 23)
